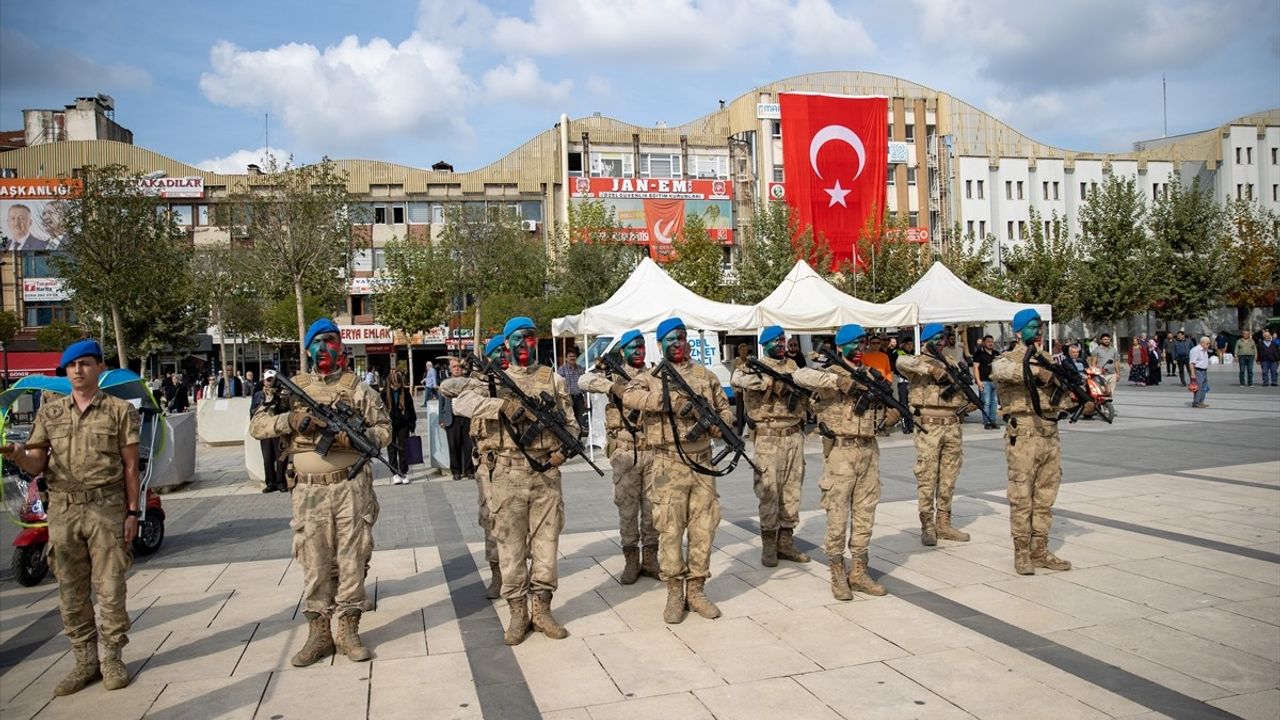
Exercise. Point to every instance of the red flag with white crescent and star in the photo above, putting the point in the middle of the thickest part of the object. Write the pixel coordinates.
(835, 151)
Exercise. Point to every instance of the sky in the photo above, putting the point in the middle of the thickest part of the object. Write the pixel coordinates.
(467, 81)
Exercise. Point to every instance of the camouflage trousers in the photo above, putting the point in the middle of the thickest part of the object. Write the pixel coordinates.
(684, 504)
(333, 527)
(781, 476)
(850, 491)
(1034, 455)
(527, 511)
(89, 553)
(939, 454)
(484, 480)
(631, 495)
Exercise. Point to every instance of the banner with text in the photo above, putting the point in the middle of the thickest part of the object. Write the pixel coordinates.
(654, 212)
(31, 211)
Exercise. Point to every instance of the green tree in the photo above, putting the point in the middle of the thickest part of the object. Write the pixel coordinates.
(9, 326)
(122, 260)
(1189, 229)
(594, 260)
(229, 288)
(413, 296)
(280, 317)
(771, 248)
(492, 259)
(699, 260)
(970, 259)
(1044, 269)
(1119, 264)
(889, 264)
(57, 335)
(1253, 258)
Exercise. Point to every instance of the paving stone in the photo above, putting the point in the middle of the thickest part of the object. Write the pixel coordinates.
(437, 687)
(1220, 626)
(1200, 579)
(1265, 609)
(1135, 588)
(791, 586)
(189, 654)
(336, 691)
(181, 611)
(233, 698)
(740, 650)
(1012, 609)
(1245, 567)
(875, 691)
(1078, 688)
(775, 697)
(651, 662)
(393, 634)
(663, 707)
(1052, 591)
(827, 638)
(97, 701)
(1262, 705)
(906, 625)
(564, 674)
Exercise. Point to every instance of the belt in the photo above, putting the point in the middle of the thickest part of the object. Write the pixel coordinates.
(777, 431)
(937, 420)
(848, 440)
(329, 478)
(698, 456)
(85, 497)
(519, 461)
(1028, 421)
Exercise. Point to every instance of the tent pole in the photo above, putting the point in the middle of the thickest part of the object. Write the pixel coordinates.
(916, 328)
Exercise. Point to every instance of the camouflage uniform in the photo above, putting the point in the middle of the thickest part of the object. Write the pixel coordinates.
(778, 426)
(940, 449)
(484, 444)
(851, 475)
(1034, 454)
(631, 459)
(685, 502)
(86, 514)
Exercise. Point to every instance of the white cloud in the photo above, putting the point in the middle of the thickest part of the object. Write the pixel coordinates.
(454, 23)
(25, 65)
(521, 82)
(237, 163)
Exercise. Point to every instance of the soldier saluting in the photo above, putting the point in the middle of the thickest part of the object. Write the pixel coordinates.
(333, 512)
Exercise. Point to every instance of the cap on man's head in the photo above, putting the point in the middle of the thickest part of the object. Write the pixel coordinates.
(517, 323)
(852, 332)
(931, 331)
(1024, 316)
(79, 349)
(494, 343)
(320, 327)
(268, 374)
(771, 333)
(629, 337)
(666, 326)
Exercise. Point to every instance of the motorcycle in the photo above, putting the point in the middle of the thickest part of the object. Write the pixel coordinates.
(26, 497)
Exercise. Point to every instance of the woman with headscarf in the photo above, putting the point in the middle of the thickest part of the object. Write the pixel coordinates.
(398, 399)
(1153, 361)
(1137, 362)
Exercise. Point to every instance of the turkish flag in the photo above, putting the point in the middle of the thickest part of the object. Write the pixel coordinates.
(835, 150)
(665, 222)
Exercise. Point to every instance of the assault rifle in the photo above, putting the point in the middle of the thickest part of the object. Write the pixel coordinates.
(706, 419)
(1069, 381)
(339, 418)
(612, 368)
(547, 417)
(961, 380)
(875, 388)
(795, 393)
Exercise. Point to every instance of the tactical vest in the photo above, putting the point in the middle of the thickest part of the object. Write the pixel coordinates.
(324, 392)
(657, 425)
(1013, 396)
(771, 409)
(838, 411)
(496, 432)
(927, 394)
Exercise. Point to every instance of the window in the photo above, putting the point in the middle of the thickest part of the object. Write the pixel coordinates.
(362, 260)
(981, 193)
(1275, 157)
(13, 172)
(1248, 191)
(982, 228)
(777, 173)
(1009, 230)
(35, 265)
(1275, 193)
(709, 166)
(911, 176)
(1084, 190)
(1248, 156)
(1008, 189)
(1056, 193)
(202, 215)
(419, 213)
(397, 214)
(182, 215)
(893, 177)
(1044, 192)
(911, 132)
(437, 213)
(379, 214)
(359, 305)
(659, 166)
(575, 164)
(777, 129)
(1155, 191)
(379, 259)
(1238, 155)
(968, 191)
(1022, 229)
(1019, 189)
(1046, 229)
(531, 210)
(41, 314)
(1239, 191)
(968, 228)
(913, 219)
(614, 164)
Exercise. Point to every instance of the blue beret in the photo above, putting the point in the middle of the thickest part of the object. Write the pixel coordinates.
(629, 337)
(770, 333)
(931, 331)
(79, 349)
(1024, 316)
(319, 327)
(852, 332)
(517, 323)
(494, 343)
(668, 325)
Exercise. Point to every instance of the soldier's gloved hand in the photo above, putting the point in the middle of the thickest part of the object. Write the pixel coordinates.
(342, 440)
(845, 384)
(617, 389)
(557, 459)
(891, 417)
(512, 409)
(969, 408)
(302, 421)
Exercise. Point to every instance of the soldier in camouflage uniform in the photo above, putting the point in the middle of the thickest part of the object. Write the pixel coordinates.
(1032, 447)
(525, 497)
(851, 472)
(333, 516)
(630, 459)
(684, 500)
(777, 419)
(939, 450)
(86, 444)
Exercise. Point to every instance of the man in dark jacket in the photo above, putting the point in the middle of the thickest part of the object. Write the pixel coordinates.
(178, 400)
(458, 430)
(1180, 352)
(398, 399)
(274, 461)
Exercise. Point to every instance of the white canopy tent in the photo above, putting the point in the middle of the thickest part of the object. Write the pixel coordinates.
(944, 298)
(805, 302)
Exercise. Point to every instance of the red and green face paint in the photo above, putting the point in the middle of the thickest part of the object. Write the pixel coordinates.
(675, 346)
(633, 353)
(524, 346)
(500, 356)
(326, 353)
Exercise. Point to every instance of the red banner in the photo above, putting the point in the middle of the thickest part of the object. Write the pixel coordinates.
(665, 221)
(653, 211)
(834, 149)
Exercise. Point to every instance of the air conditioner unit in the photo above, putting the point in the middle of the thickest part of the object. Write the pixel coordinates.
(530, 225)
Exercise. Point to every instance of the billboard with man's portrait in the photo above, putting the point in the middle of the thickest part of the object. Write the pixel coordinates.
(31, 212)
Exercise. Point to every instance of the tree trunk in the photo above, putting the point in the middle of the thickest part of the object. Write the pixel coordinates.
(302, 326)
(117, 324)
(476, 344)
(1242, 316)
(222, 336)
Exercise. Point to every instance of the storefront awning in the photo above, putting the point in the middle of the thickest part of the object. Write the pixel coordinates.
(22, 364)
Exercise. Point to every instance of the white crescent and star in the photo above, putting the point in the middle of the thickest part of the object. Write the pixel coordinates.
(848, 137)
(664, 233)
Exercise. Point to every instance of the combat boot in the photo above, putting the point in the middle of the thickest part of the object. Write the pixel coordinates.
(946, 532)
(1041, 557)
(87, 670)
(519, 625)
(319, 643)
(787, 548)
(543, 621)
(928, 535)
(114, 674)
(769, 548)
(698, 600)
(673, 613)
(1022, 556)
(649, 562)
(631, 571)
(839, 581)
(494, 591)
(348, 640)
(859, 579)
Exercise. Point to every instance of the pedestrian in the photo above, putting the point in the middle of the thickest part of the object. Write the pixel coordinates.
(1106, 357)
(248, 387)
(875, 357)
(1073, 360)
(850, 482)
(739, 400)
(1221, 343)
(1153, 362)
(1181, 353)
(630, 458)
(1166, 347)
(166, 389)
(571, 371)
(397, 398)
(457, 429)
(229, 386)
(1246, 353)
(333, 513)
(1200, 365)
(953, 351)
(1033, 449)
(1268, 359)
(86, 445)
(982, 359)
(525, 495)
(274, 461)
(689, 501)
(179, 401)
(430, 384)
(1137, 362)
(777, 416)
(937, 408)
(793, 352)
